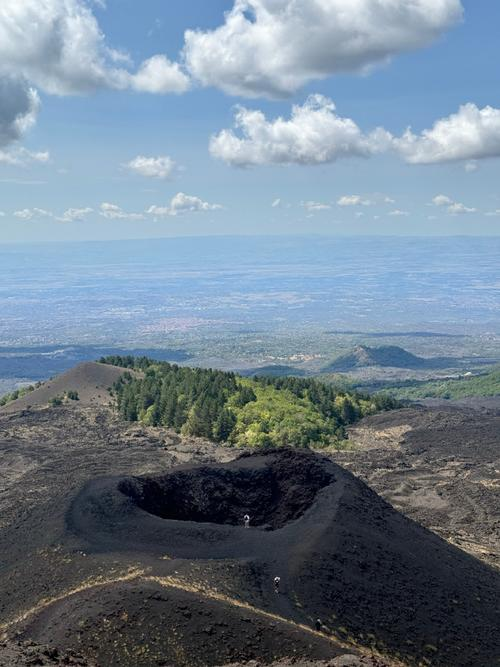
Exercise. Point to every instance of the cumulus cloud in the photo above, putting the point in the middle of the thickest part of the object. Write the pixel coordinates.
(273, 47)
(70, 215)
(20, 156)
(75, 214)
(452, 207)
(59, 47)
(160, 75)
(314, 134)
(469, 134)
(442, 200)
(353, 200)
(314, 206)
(32, 213)
(458, 208)
(114, 212)
(398, 213)
(152, 167)
(181, 204)
(276, 203)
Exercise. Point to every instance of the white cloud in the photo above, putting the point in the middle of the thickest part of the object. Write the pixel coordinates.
(398, 213)
(469, 134)
(20, 156)
(276, 203)
(314, 134)
(32, 213)
(152, 167)
(58, 46)
(2, 214)
(442, 200)
(314, 206)
(492, 214)
(70, 215)
(452, 207)
(460, 209)
(353, 200)
(181, 204)
(160, 75)
(389, 200)
(75, 214)
(114, 212)
(471, 166)
(273, 47)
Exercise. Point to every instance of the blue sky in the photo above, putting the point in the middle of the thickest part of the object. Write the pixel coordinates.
(124, 152)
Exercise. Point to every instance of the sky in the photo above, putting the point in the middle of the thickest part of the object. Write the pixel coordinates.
(126, 119)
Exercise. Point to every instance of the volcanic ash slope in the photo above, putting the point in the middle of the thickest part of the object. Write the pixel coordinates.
(202, 592)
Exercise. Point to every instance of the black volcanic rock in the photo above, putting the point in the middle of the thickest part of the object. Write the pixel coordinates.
(345, 556)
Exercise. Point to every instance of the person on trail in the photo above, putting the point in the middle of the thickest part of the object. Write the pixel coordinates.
(246, 521)
(277, 584)
(318, 625)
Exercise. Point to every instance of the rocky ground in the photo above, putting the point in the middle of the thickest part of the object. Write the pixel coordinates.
(29, 654)
(438, 466)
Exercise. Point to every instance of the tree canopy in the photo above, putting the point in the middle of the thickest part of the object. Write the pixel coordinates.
(224, 407)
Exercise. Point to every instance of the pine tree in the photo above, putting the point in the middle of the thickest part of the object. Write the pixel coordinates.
(224, 425)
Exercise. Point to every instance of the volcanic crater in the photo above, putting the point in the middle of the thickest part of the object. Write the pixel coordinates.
(273, 492)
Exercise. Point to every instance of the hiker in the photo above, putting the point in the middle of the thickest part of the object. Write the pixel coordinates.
(277, 584)
(318, 625)
(246, 521)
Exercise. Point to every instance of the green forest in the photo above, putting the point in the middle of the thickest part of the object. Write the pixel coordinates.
(487, 384)
(250, 412)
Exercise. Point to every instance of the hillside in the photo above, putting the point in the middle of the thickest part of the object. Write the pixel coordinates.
(385, 356)
(111, 549)
(87, 383)
(375, 578)
(487, 384)
(251, 412)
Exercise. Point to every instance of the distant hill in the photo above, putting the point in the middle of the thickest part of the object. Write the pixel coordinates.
(86, 383)
(387, 356)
